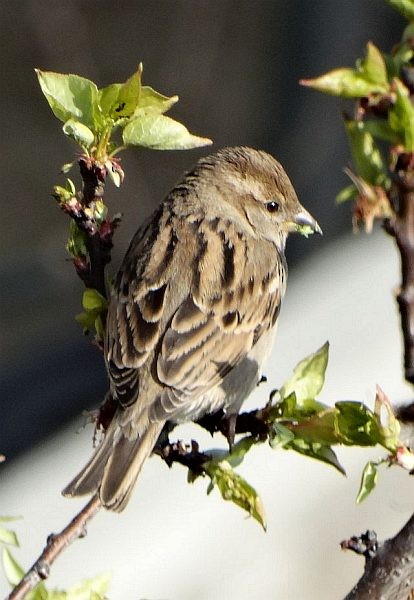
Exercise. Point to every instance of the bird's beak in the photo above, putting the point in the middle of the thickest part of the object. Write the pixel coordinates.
(304, 223)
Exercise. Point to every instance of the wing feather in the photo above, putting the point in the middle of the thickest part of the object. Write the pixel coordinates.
(190, 326)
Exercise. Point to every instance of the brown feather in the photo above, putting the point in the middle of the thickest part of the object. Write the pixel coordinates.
(194, 309)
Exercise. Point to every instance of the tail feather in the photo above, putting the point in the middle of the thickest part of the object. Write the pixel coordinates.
(88, 479)
(124, 465)
(113, 469)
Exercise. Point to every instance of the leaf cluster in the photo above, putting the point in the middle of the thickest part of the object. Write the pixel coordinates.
(382, 128)
(297, 421)
(90, 114)
(103, 122)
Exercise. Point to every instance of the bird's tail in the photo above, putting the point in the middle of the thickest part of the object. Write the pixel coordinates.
(113, 469)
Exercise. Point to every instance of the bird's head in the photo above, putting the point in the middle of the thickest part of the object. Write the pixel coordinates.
(256, 185)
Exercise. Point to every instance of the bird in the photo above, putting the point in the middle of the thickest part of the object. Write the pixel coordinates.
(194, 309)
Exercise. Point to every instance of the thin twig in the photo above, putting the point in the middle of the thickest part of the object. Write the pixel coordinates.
(56, 543)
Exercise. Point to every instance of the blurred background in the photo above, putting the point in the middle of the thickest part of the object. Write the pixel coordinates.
(235, 65)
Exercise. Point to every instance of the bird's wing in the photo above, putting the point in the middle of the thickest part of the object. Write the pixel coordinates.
(193, 305)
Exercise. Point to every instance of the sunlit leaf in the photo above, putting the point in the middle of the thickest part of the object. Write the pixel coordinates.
(405, 7)
(94, 588)
(70, 97)
(341, 82)
(319, 428)
(356, 424)
(308, 376)
(235, 489)
(318, 451)
(366, 155)
(381, 130)
(8, 537)
(373, 66)
(129, 95)
(12, 569)
(108, 98)
(401, 116)
(239, 450)
(86, 321)
(79, 132)
(152, 102)
(368, 481)
(92, 300)
(369, 77)
(347, 193)
(160, 133)
(66, 167)
(280, 435)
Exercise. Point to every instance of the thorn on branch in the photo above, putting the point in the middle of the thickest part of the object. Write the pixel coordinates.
(366, 544)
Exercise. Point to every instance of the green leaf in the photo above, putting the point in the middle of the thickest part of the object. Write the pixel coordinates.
(160, 133)
(154, 103)
(99, 327)
(343, 82)
(318, 451)
(348, 193)
(280, 436)
(86, 321)
(92, 300)
(401, 116)
(76, 244)
(79, 132)
(308, 376)
(239, 450)
(129, 94)
(405, 7)
(373, 66)
(319, 428)
(381, 130)
(95, 306)
(408, 34)
(8, 518)
(368, 481)
(366, 154)
(88, 589)
(235, 489)
(369, 77)
(8, 537)
(12, 569)
(108, 99)
(356, 424)
(71, 97)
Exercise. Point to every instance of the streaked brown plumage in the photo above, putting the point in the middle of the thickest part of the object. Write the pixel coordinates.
(194, 308)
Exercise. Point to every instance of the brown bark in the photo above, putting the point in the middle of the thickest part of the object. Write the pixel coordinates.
(56, 543)
(401, 227)
(389, 574)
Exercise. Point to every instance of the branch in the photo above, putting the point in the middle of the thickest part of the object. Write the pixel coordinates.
(389, 574)
(401, 227)
(56, 543)
(99, 247)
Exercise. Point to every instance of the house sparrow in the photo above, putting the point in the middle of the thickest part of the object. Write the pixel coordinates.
(194, 308)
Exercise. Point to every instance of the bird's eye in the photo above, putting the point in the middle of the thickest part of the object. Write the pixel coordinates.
(272, 206)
